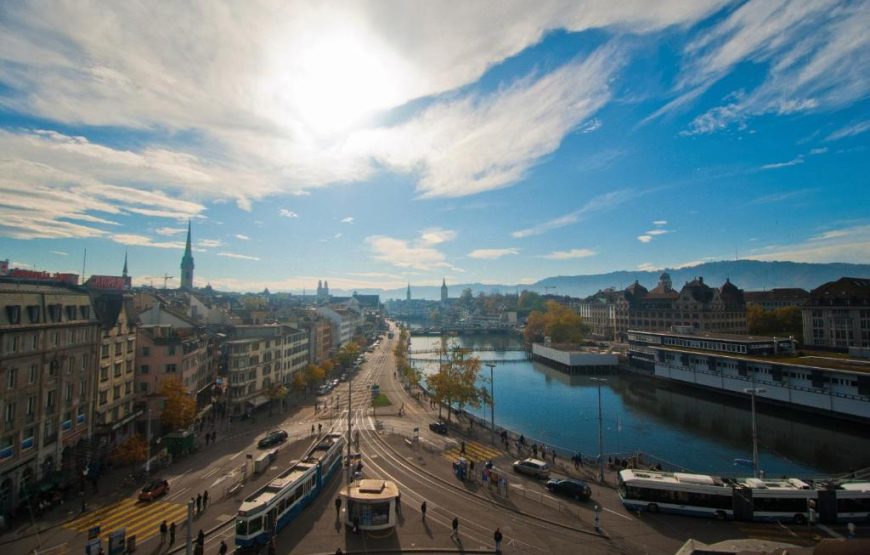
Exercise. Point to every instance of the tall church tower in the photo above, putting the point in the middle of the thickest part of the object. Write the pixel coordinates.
(443, 290)
(187, 264)
(124, 271)
(408, 292)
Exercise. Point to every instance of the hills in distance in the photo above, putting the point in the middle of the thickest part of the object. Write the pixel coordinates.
(749, 275)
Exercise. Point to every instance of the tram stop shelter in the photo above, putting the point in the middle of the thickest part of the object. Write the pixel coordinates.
(371, 503)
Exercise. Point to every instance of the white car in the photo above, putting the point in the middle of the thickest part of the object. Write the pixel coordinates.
(532, 467)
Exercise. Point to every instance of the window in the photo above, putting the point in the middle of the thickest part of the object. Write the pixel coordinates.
(68, 394)
(170, 368)
(50, 400)
(146, 351)
(104, 351)
(9, 413)
(144, 369)
(104, 373)
(11, 378)
(13, 314)
(70, 312)
(143, 388)
(31, 405)
(118, 369)
(54, 312)
(170, 350)
(130, 347)
(34, 312)
(128, 388)
(116, 393)
(104, 397)
(85, 311)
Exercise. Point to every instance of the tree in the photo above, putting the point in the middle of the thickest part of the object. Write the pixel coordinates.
(456, 380)
(299, 381)
(347, 354)
(276, 392)
(179, 408)
(313, 373)
(530, 300)
(559, 323)
(133, 450)
(780, 321)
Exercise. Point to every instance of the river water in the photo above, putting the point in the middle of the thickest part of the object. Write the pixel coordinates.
(694, 429)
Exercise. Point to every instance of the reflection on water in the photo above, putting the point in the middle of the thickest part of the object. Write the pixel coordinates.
(696, 429)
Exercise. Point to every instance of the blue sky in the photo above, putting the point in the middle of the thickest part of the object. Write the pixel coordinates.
(376, 143)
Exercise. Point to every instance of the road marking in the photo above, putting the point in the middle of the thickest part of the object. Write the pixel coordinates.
(611, 511)
(139, 519)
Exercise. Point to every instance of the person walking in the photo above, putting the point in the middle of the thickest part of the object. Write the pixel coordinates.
(198, 502)
(204, 499)
(163, 530)
(172, 533)
(455, 533)
(337, 506)
(462, 447)
(200, 537)
(319, 428)
(399, 503)
(312, 429)
(423, 510)
(222, 550)
(497, 537)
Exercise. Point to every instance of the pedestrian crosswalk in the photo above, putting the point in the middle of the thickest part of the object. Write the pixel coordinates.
(474, 451)
(139, 518)
(772, 531)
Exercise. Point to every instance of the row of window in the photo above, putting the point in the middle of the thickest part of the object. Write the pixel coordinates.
(13, 376)
(55, 312)
(14, 343)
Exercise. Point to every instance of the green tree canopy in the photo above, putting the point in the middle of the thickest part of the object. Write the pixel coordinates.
(179, 408)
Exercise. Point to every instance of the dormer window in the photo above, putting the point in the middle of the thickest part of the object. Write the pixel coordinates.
(70, 312)
(54, 312)
(34, 312)
(13, 313)
(85, 311)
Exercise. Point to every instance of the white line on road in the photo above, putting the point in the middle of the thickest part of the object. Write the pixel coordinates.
(617, 514)
(177, 494)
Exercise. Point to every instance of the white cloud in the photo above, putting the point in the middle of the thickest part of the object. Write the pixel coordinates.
(849, 131)
(419, 254)
(492, 254)
(597, 204)
(812, 55)
(644, 238)
(817, 151)
(657, 231)
(347, 220)
(569, 254)
(237, 256)
(592, 125)
(779, 197)
(648, 267)
(850, 244)
(143, 241)
(793, 162)
(436, 235)
(337, 235)
(209, 243)
(242, 237)
(59, 253)
(660, 222)
(169, 231)
(288, 213)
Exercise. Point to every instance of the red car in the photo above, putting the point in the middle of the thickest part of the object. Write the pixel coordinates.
(154, 490)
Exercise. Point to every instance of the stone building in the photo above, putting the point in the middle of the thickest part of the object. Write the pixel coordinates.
(837, 315)
(48, 350)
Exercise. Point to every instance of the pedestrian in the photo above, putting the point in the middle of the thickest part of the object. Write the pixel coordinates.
(851, 528)
(423, 510)
(337, 506)
(163, 530)
(198, 502)
(312, 429)
(204, 499)
(462, 447)
(497, 537)
(399, 503)
(597, 520)
(535, 451)
(200, 537)
(172, 533)
(455, 533)
(222, 550)
(553, 451)
(339, 551)
(319, 428)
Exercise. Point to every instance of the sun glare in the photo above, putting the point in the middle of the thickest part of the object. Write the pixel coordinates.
(335, 81)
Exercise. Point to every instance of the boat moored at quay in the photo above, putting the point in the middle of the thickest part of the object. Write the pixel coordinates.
(832, 384)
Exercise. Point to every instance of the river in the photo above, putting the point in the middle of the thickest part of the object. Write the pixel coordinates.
(693, 429)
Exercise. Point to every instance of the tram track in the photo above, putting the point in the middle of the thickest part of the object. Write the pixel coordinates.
(408, 475)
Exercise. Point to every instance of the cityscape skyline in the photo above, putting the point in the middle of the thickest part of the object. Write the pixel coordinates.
(358, 145)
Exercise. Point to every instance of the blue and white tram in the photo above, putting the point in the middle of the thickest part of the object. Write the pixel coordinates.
(265, 512)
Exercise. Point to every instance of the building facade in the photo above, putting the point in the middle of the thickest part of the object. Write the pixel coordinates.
(837, 315)
(48, 351)
(777, 298)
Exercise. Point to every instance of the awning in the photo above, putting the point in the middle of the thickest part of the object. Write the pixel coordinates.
(258, 401)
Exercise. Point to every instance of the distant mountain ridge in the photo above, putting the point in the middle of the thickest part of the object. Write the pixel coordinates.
(749, 275)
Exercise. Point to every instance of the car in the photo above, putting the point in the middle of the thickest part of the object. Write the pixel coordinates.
(154, 490)
(439, 427)
(532, 467)
(575, 489)
(272, 438)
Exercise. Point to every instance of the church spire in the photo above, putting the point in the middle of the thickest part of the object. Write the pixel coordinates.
(187, 263)
(124, 271)
(408, 292)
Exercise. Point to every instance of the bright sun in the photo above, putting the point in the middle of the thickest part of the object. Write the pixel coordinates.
(333, 82)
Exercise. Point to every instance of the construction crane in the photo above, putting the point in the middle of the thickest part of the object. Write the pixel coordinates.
(165, 279)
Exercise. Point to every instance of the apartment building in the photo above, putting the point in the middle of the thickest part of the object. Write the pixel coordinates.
(48, 350)
(837, 315)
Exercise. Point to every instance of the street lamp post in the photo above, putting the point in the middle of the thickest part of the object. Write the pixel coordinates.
(491, 403)
(598, 381)
(752, 392)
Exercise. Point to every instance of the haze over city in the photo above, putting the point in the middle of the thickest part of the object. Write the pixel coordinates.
(376, 143)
